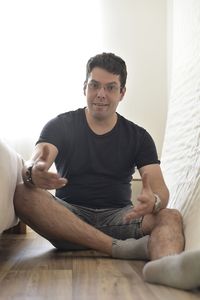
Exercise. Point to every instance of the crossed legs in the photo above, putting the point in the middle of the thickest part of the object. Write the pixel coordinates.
(41, 212)
(38, 209)
(168, 265)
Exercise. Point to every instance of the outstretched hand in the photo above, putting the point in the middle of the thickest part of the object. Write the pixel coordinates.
(145, 201)
(42, 178)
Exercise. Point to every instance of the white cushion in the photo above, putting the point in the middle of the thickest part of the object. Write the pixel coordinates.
(10, 175)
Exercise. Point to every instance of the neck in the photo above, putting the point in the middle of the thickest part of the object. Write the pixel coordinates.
(100, 126)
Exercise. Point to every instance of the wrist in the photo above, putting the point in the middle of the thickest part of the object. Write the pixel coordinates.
(27, 174)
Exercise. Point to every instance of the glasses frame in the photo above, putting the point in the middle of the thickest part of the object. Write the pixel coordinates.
(109, 88)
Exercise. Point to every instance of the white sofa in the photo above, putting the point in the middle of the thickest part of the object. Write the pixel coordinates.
(10, 175)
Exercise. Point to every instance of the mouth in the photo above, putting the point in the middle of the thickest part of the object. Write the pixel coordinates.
(100, 104)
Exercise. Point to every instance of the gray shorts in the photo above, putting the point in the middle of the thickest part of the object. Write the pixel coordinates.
(108, 220)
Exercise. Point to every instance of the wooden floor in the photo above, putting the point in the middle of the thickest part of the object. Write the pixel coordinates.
(30, 268)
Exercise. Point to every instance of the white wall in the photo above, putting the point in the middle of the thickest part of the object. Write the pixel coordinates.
(137, 30)
(40, 78)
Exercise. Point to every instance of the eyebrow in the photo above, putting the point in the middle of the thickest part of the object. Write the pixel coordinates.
(109, 83)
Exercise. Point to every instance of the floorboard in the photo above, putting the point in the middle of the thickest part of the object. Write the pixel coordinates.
(31, 268)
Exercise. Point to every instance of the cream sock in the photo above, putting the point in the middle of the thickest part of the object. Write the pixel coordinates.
(180, 271)
(131, 248)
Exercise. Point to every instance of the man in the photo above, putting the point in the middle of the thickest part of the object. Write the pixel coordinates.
(95, 151)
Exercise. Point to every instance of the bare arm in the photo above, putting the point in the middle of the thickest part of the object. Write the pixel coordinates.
(45, 152)
(152, 183)
(156, 181)
(40, 162)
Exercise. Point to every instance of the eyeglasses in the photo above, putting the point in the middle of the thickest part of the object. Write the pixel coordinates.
(110, 88)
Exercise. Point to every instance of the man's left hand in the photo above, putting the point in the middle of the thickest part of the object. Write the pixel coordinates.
(146, 201)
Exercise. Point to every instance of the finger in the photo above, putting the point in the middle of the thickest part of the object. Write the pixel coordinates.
(133, 215)
(51, 184)
(145, 181)
(53, 177)
(61, 182)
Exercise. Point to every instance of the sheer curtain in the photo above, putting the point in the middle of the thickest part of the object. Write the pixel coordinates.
(44, 48)
(181, 149)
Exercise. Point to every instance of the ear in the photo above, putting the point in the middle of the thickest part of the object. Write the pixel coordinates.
(122, 93)
(84, 88)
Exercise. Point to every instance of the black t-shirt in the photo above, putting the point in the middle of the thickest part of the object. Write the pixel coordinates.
(99, 168)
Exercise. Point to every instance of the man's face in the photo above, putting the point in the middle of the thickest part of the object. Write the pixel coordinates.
(103, 93)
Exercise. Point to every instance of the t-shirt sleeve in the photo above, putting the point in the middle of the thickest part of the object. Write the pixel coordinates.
(51, 133)
(147, 153)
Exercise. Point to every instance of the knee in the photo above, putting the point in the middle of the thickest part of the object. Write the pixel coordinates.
(169, 215)
(18, 199)
(22, 197)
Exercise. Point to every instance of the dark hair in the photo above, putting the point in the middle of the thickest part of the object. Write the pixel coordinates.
(111, 63)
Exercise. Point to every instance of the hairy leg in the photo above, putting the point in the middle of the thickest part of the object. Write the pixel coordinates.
(179, 271)
(52, 220)
(42, 213)
(166, 233)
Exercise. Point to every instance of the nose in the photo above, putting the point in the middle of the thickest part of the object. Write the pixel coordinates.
(101, 92)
